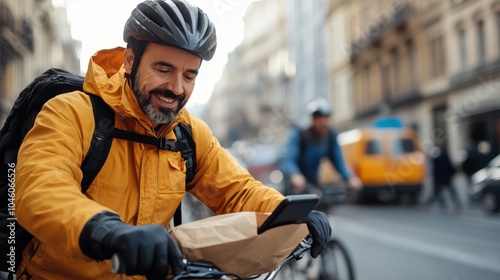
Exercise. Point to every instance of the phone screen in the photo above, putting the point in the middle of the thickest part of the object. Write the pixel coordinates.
(292, 210)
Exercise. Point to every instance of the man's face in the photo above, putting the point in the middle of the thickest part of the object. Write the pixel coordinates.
(320, 124)
(164, 81)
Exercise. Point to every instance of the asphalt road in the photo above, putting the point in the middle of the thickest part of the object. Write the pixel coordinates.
(392, 242)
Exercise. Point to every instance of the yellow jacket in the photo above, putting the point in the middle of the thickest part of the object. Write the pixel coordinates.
(139, 182)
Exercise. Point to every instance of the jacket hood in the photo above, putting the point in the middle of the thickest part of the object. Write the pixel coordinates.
(105, 77)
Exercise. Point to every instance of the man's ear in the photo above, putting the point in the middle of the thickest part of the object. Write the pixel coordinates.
(128, 60)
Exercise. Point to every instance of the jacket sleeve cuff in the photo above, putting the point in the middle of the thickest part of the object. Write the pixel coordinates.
(94, 233)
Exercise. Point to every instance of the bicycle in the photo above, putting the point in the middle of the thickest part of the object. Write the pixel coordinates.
(335, 263)
(207, 270)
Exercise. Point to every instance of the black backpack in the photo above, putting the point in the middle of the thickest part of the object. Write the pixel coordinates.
(305, 138)
(13, 237)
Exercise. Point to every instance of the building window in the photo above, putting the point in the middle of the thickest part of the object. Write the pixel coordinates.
(366, 86)
(497, 17)
(386, 82)
(437, 57)
(412, 64)
(396, 62)
(462, 48)
(358, 88)
(481, 44)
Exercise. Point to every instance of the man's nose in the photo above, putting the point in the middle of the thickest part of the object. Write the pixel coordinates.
(174, 84)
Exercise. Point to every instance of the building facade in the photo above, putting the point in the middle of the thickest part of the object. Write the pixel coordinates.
(306, 37)
(249, 101)
(432, 63)
(34, 36)
(278, 68)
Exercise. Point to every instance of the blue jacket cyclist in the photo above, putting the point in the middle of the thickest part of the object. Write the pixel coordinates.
(305, 150)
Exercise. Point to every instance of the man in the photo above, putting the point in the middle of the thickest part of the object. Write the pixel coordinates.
(305, 150)
(133, 198)
(442, 178)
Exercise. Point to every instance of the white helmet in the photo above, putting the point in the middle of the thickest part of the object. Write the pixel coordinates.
(319, 107)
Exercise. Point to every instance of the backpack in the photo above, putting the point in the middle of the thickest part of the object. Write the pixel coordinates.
(304, 138)
(54, 81)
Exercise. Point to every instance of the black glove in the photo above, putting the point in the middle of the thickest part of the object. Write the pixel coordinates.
(320, 230)
(144, 250)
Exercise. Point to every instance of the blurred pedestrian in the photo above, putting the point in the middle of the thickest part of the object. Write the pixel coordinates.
(442, 174)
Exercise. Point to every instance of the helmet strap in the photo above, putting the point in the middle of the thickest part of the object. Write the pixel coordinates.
(138, 48)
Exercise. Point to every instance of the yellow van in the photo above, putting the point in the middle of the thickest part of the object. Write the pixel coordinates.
(387, 160)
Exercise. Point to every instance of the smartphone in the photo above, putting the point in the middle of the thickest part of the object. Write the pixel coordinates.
(292, 210)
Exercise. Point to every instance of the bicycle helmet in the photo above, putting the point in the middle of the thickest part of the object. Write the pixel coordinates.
(319, 107)
(175, 23)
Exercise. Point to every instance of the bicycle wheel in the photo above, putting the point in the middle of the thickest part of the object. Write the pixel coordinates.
(335, 263)
(296, 270)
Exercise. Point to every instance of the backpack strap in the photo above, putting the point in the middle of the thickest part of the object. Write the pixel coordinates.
(104, 119)
(160, 143)
(332, 136)
(303, 140)
(102, 139)
(187, 148)
(302, 147)
(186, 143)
(105, 131)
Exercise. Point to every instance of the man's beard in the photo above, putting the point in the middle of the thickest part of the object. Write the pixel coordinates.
(161, 115)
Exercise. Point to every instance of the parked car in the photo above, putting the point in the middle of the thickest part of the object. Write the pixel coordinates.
(486, 186)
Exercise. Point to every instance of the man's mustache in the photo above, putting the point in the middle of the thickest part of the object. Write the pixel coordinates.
(168, 94)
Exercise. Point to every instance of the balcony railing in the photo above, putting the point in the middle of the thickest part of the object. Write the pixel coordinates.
(400, 16)
(476, 74)
(401, 99)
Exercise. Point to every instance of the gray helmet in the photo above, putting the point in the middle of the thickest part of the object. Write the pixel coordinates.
(175, 23)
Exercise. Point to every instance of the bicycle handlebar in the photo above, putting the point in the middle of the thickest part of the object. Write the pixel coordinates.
(207, 270)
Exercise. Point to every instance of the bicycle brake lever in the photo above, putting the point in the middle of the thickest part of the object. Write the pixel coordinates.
(304, 245)
(200, 270)
(307, 242)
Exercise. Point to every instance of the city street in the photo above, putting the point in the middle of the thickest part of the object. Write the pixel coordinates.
(390, 242)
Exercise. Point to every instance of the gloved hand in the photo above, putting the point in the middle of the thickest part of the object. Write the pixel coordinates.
(144, 250)
(320, 230)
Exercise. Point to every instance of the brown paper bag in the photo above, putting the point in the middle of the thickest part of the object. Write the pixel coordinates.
(231, 242)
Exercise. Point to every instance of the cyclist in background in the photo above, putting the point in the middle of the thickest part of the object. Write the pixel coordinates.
(134, 197)
(306, 148)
